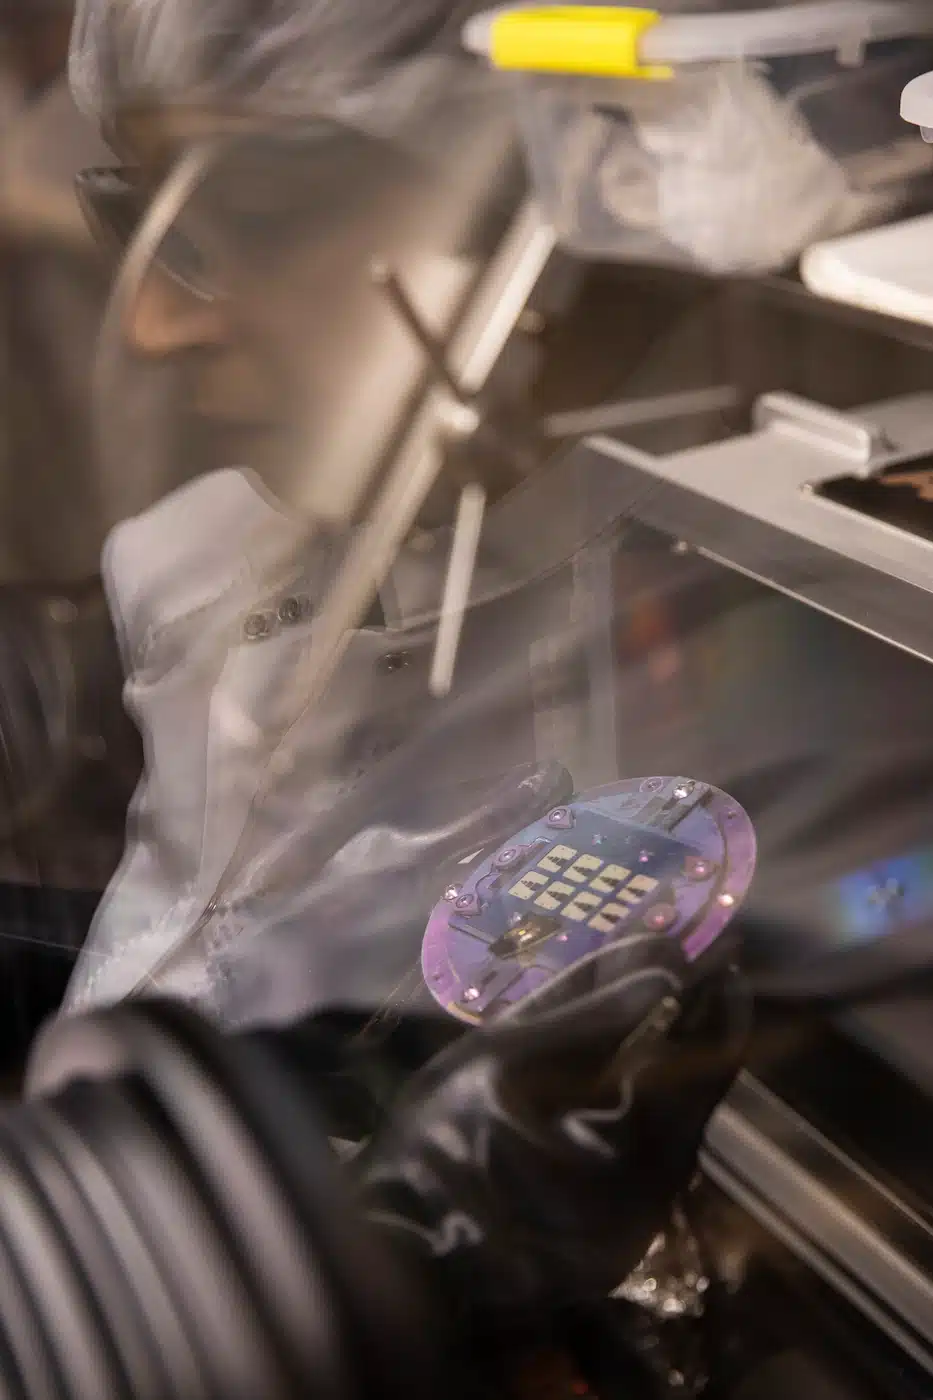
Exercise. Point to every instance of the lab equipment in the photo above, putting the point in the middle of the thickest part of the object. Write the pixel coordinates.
(728, 141)
(665, 855)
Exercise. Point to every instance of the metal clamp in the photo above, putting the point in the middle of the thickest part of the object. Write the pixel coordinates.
(859, 442)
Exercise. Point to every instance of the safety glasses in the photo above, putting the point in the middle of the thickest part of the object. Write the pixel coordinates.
(268, 191)
(113, 201)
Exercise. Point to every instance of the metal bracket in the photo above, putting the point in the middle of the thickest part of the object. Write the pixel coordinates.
(862, 444)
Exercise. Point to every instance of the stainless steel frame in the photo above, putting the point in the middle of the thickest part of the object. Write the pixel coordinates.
(801, 1188)
(748, 504)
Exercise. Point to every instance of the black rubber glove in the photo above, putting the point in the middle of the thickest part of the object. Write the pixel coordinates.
(199, 1239)
(532, 1163)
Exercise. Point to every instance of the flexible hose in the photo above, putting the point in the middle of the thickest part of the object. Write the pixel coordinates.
(173, 1226)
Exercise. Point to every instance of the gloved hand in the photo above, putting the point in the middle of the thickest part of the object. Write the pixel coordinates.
(532, 1163)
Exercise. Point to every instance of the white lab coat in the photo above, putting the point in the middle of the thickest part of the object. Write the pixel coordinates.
(326, 901)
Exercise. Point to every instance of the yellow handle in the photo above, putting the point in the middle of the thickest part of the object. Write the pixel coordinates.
(593, 40)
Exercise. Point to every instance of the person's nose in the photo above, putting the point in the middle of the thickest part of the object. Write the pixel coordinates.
(167, 319)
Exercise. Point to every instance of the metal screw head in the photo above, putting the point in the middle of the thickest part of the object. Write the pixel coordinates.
(681, 792)
(471, 994)
(661, 917)
(257, 626)
(458, 421)
(396, 661)
(726, 900)
(292, 610)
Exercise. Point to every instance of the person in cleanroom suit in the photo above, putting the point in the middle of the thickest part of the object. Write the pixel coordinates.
(261, 877)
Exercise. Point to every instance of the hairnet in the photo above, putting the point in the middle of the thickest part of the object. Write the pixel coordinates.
(287, 57)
